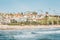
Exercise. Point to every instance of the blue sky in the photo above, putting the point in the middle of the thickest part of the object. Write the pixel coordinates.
(30, 5)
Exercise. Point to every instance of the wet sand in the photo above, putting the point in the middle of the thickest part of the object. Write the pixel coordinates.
(18, 27)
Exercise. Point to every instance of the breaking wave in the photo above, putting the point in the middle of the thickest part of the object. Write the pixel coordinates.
(31, 34)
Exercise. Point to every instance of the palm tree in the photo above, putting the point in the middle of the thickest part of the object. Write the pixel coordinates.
(46, 17)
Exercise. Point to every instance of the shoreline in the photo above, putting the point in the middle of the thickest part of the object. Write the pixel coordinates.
(18, 27)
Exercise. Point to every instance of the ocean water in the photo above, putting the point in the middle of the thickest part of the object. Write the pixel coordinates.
(31, 34)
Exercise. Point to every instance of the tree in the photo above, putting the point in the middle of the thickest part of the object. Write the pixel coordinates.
(35, 13)
(22, 13)
(13, 21)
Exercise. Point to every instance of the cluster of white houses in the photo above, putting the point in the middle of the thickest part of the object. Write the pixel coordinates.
(19, 17)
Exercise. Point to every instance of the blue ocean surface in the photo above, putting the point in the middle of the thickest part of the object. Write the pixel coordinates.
(31, 34)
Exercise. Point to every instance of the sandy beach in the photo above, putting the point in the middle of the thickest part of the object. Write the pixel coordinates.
(18, 27)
